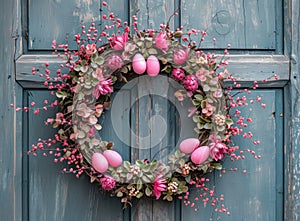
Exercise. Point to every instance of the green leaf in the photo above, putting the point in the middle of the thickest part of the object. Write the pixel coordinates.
(99, 60)
(220, 128)
(196, 102)
(148, 191)
(217, 166)
(188, 178)
(208, 126)
(204, 168)
(139, 195)
(229, 121)
(127, 165)
(77, 68)
(200, 126)
(61, 94)
(168, 197)
(139, 184)
(146, 179)
(196, 118)
(84, 69)
(198, 97)
(152, 51)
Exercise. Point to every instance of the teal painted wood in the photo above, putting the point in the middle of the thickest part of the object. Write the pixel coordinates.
(56, 196)
(294, 181)
(49, 20)
(12, 209)
(245, 24)
(10, 152)
(257, 195)
(153, 13)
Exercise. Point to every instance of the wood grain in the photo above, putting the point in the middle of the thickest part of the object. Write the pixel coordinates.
(11, 123)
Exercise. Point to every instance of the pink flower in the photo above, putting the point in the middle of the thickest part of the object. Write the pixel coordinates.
(178, 74)
(92, 132)
(103, 87)
(90, 49)
(159, 185)
(107, 183)
(180, 56)
(161, 41)
(115, 62)
(119, 42)
(209, 109)
(217, 148)
(201, 74)
(190, 83)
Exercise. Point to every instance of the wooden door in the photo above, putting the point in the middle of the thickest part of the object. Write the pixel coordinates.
(255, 30)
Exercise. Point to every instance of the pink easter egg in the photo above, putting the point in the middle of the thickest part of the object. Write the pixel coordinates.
(99, 162)
(200, 155)
(114, 158)
(189, 145)
(153, 66)
(139, 64)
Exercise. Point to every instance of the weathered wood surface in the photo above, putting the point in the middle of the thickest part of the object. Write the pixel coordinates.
(245, 67)
(49, 20)
(258, 28)
(53, 195)
(10, 136)
(294, 152)
(245, 24)
(258, 194)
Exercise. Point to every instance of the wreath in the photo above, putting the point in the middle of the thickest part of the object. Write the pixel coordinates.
(84, 95)
(87, 94)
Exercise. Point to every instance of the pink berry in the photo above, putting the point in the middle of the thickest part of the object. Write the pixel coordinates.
(190, 83)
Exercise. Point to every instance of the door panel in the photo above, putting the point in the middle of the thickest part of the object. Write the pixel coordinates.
(53, 195)
(253, 26)
(256, 195)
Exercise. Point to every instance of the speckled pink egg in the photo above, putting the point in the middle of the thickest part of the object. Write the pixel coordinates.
(139, 64)
(113, 157)
(99, 162)
(200, 155)
(153, 66)
(189, 145)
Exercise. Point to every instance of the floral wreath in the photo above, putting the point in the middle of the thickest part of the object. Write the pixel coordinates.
(84, 93)
(92, 82)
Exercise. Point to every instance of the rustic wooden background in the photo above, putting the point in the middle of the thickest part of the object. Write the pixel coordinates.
(265, 40)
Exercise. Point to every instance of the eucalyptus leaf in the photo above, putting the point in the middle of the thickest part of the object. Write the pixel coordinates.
(139, 184)
(148, 191)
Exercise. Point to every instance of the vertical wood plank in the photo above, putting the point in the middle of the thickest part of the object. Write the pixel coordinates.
(232, 21)
(53, 19)
(259, 191)
(10, 146)
(152, 13)
(56, 196)
(294, 187)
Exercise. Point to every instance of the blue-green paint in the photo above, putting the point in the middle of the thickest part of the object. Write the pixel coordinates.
(46, 20)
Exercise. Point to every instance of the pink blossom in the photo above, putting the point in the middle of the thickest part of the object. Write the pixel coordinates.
(217, 148)
(178, 74)
(103, 87)
(180, 56)
(159, 185)
(107, 183)
(209, 109)
(115, 62)
(190, 83)
(119, 42)
(201, 74)
(90, 49)
(92, 132)
(161, 41)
